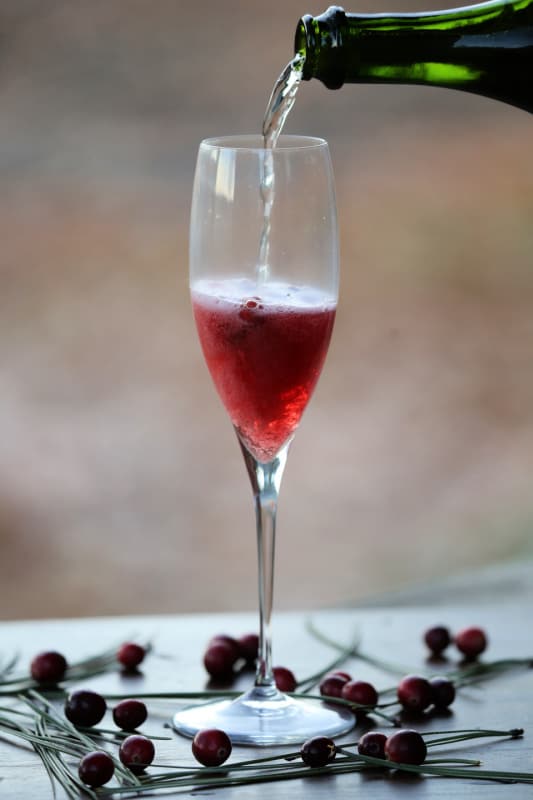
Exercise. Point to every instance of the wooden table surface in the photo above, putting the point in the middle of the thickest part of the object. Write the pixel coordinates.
(392, 633)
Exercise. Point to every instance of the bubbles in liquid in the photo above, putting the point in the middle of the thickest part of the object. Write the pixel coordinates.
(242, 292)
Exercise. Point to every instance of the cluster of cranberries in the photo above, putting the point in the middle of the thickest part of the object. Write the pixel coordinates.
(471, 641)
(341, 684)
(212, 747)
(402, 747)
(85, 709)
(224, 653)
(415, 693)
(136, 752)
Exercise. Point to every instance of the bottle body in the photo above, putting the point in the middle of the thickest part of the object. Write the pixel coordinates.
(486, 49)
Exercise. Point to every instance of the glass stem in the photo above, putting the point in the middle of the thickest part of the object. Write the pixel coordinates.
(266, 481)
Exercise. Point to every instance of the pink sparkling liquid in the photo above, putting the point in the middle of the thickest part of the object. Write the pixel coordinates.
(265, 347)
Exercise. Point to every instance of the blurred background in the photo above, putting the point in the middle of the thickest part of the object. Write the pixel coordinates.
(122, 488)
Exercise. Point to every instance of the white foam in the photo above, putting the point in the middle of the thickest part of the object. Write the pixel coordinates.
(272, 293)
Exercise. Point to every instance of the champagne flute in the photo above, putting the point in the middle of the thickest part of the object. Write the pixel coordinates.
(264, 284)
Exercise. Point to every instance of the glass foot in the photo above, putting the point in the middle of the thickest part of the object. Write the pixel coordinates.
(266, 718)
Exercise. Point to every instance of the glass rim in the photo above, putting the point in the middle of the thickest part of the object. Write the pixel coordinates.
(254, 142)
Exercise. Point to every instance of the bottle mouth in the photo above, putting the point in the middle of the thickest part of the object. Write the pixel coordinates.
(319, 41)
(304, 44)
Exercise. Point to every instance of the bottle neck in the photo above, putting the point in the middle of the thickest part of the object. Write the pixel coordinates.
(454, 48)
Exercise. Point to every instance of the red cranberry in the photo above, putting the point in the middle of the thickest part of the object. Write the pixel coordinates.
(285, 680)
(211, 747)
(130, 655)
(471, 642)
(249, 308)
(137, 752)
(225, 639)
(318, 751)
(249, 647)
(219, 659)
(360, 692)
(443, 692)
(406, 747)
(372, 744)
(48, 667)
(96, 768)
(129, 714)
(332, 685)
(414, 693)
(85, 708)
(437, 639)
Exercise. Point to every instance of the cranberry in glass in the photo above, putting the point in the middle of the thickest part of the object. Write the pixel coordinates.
(437, 639)
(96, 768)
(372, 744)
(284, 678)
(316, 752)
(332, 685)
(130, 655)
(137, 752)
(219, 659)
(414, 693)
(85, 708)
(129, 714)
(249, 309)
(360, 692)
(443, 692)
(471, 642)
(211, 747)
(406, 747)
(249, 647)
(48, 667)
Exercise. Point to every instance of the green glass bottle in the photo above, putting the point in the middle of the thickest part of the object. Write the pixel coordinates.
(486, 49)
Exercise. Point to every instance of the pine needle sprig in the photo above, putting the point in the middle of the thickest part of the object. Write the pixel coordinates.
(307, 684)
(7, 668)
(485, 670)
(54, 738)
(374, 710)
(55, 765)
(60, 723)
(283, 767)
(355, 652)
(452, 737)
(81, 670)
(37, 723)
